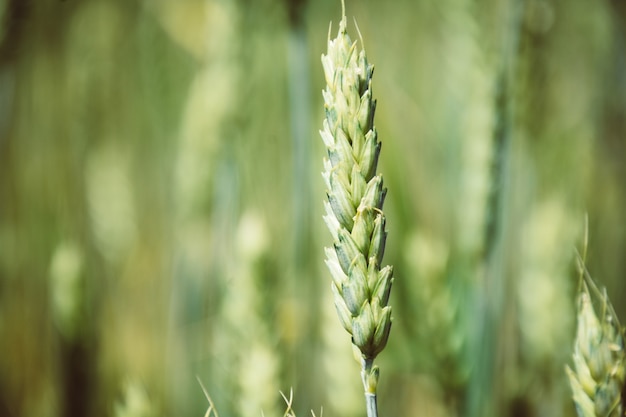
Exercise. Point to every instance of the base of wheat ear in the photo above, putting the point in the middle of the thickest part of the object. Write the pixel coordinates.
(354, 209)
(597, 380)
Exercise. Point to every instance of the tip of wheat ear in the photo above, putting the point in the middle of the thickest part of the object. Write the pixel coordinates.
(355, 197)
(597, 380)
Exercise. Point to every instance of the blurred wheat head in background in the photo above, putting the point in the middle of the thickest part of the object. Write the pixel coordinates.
(597, 380)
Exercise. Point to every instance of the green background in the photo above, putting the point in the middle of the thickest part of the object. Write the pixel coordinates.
(161, 203)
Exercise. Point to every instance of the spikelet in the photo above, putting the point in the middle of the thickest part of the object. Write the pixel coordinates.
(355, 193)
(597, 380)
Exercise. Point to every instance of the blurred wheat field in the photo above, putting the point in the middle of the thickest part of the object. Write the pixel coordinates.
(161, 203)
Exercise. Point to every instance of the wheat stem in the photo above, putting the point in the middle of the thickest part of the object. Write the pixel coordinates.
(211, 408)
(370, 397)
(370, 403)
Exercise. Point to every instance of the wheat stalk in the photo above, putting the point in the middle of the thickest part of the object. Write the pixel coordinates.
(211, 410)
(354, 213)
(598, 379)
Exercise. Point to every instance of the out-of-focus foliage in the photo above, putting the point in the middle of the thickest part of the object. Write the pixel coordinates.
(161, 203)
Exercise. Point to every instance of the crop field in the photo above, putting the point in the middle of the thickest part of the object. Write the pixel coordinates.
(196, 196)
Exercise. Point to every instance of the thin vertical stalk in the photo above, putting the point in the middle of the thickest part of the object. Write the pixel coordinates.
(371, 403)
(491, 299)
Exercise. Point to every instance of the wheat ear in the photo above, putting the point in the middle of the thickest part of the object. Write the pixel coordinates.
(598, 379)
(354, 213)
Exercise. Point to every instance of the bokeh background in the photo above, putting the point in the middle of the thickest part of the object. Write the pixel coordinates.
(161, 203)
